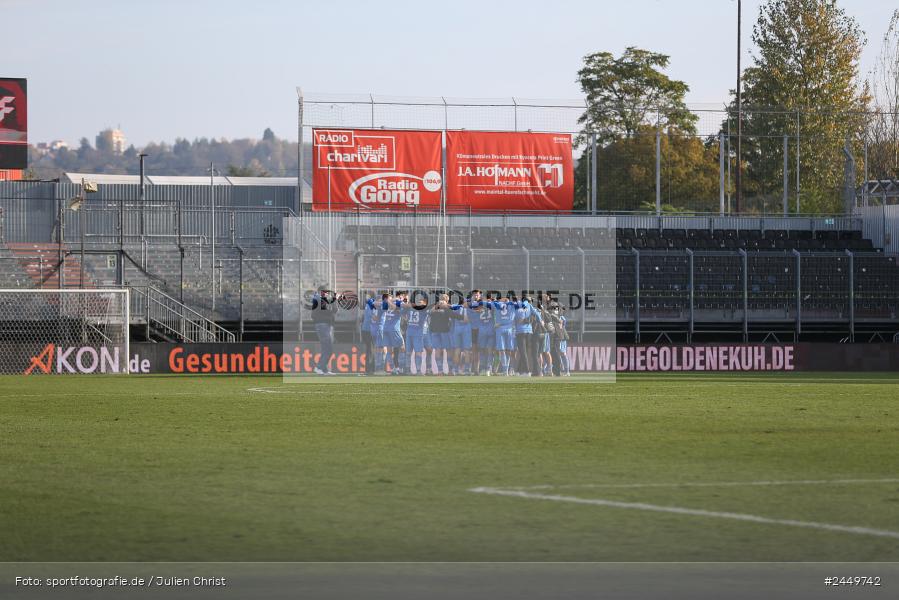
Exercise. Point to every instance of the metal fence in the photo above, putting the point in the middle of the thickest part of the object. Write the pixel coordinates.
(230, 264)
(767, 276)
(792, 161)
(686, 292)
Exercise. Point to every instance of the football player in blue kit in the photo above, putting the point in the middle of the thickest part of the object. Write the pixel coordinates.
(416, 330)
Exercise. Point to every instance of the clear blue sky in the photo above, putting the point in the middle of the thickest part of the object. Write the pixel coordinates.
(220, 68)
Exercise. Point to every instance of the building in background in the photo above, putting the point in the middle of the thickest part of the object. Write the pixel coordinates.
(44, 148)
(112, 140)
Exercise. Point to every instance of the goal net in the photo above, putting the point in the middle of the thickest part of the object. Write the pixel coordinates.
(60, 331)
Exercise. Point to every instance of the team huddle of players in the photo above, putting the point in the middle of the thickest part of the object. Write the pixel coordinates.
(481, 336)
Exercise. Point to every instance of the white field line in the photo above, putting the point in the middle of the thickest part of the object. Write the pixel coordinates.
(689, 511)
(748, 382)
(705, 484)
(318, 392)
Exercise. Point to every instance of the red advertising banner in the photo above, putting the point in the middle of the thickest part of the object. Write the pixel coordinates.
(509, 171)
(375, 169)
(13, 124)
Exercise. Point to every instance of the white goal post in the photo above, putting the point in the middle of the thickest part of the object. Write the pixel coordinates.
(61, 331)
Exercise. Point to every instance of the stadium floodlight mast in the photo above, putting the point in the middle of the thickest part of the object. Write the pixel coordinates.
(141, 157)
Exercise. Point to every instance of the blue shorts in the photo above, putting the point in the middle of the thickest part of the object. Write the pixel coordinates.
(462, 338)
(377, 338)
(393, 339)
(505, 339)
(486, 338)
(415, 340)
(441, 341)
(563, 346)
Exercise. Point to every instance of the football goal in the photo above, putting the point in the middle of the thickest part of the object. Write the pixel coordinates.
(60, 331)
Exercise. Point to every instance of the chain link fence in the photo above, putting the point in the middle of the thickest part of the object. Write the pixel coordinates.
(791, 161)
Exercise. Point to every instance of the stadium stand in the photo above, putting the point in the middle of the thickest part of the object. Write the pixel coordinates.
(493, 257)
(668, 271)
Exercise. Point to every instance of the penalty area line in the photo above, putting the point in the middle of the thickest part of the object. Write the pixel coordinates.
(706, 484)
(688, 511)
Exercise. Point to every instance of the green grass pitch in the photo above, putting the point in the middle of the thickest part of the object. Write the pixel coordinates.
(168, 468)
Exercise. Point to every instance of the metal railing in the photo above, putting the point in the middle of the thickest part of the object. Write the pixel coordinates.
(171, 318)
(686, 290)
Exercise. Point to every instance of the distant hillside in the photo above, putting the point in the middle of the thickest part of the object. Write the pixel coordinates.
(270, 156)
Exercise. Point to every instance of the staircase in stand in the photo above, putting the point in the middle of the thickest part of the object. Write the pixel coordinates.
(167, 319)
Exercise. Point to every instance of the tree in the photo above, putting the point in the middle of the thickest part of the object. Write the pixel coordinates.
(254, 169)
(688, 175)
(803, 83)
(883, 127)
(245, 157)
(629, 91)
(629, 98)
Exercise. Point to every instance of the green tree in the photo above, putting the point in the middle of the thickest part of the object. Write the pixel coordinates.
(254, 169)
(688, 176)
(629, 98)
(629, 91)
(803, 79)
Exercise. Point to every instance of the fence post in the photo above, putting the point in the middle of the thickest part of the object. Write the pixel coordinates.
(527, 268)
(797, 161)
(212, 224)
(721, 174)
(415, 247)
(729, 161)
(301, 212)
(849, 199)
(81, 235)
(588, 177)
(865, 186)
(471, 268)
(636, 294)
(583, 292)
(745, 269)
(786, 177)
(658, 172)
(181, 273)
(515, 110)
(798, 294)
(240, 292)
(60, 234)
(690, 285)
(851, 294)
(593, 204)
(300, 151)
(469, 226)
